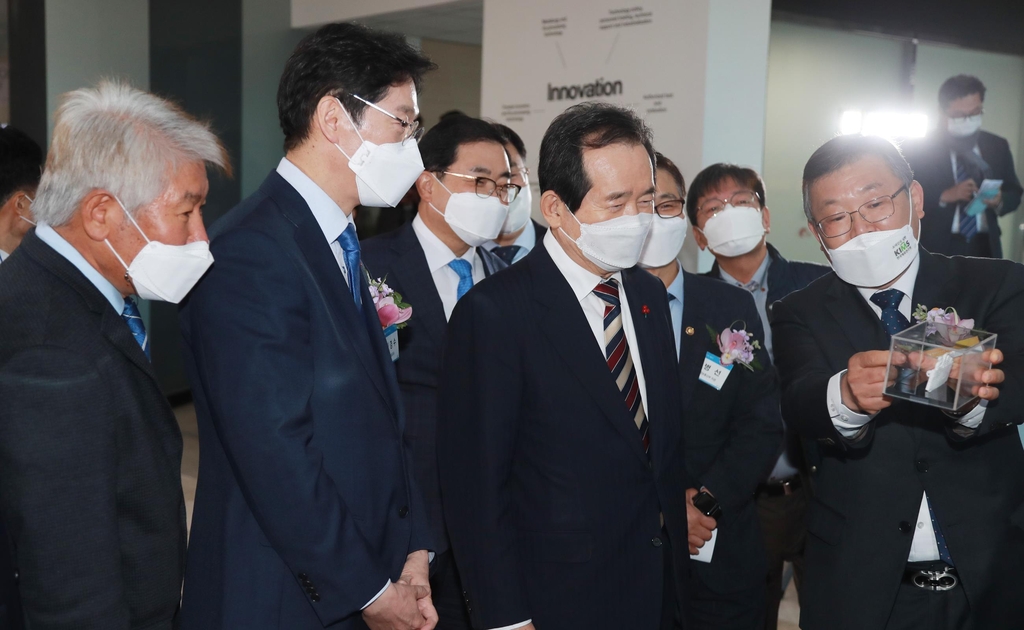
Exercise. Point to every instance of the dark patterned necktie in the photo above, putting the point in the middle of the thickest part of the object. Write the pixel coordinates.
(620, 361)
(895, 322)
(507, 253)
(968, 224)
(133, 318)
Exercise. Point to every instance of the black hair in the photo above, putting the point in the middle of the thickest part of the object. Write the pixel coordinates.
(21, 161)
(677, 176)
(511, 137)
(842, 151)
(958, 87)
(713, 176)
(585, 126)
(440, 146)
(343, 60)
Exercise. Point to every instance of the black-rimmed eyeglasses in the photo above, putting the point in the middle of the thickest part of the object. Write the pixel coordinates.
(485, 187)
(875, 211)
(412, 129)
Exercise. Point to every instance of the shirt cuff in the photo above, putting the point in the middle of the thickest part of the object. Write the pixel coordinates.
(515, 625)
(847, 422)
(377, 596)
(972, 419)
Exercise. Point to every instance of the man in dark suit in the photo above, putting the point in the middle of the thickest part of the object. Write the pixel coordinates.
(90, 452)
(520, 234)
(559, 441)
(307, 514)
(732, 429)
(951, 163)
(917, 519)
(751, 263)
(432, 262)
(21, 164)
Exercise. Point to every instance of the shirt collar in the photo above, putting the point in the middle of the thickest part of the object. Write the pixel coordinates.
(3, 255)
(437, 253)
(49, 236)
(675, 289)
(905, 283)
(527, 240)
(329, 216)
(580, 280)
(759, 279)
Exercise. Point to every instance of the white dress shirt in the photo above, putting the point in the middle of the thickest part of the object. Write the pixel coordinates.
(49, 236)
(329, 216)
(526, 241)
(3, 255)
(850, 423)
(446, 281)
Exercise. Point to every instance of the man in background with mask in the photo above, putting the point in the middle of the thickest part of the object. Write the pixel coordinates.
(90, 452)
(520, 233)
(916, 519)
(732, 427)
(951, 164)
(307, 513)
(21, 164)
(432, 262)
(559, 440)
(727, 203)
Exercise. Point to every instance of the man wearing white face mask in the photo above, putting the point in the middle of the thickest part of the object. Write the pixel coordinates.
(559, 452)
(951, 163)
(916, 518)
(307, 509)
(432, 262)
(21, 163)
(729, 203)
(520, 233)
(90, 452)
(732, 428)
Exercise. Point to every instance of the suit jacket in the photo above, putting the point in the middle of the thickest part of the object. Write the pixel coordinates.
(90, 455)
(398, 256)
(551, 503)
(539, 230)
(732, 435)
(934, 170)
(305, 504)
(10, 604)
(868, 491)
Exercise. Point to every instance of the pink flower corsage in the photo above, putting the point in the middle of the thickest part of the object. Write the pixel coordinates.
(955, 328)
(391, 310)
(737, 346)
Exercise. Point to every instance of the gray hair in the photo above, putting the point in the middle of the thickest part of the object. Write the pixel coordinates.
(845, 150)
(123, 140)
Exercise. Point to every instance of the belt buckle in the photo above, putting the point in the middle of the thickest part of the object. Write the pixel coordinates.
(941, 580)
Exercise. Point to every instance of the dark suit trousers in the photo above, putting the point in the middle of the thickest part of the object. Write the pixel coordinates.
(782, 524)
(446, 592)
(916, 608)
(708, 610)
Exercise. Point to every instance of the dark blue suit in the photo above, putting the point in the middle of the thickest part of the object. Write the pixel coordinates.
(305, 505)
(551, 503)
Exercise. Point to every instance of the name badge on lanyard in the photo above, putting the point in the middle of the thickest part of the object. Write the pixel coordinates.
(713, 372)
(391, 336)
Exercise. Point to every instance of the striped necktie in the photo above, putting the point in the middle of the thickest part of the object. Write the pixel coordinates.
(620, 361)
(968, 224)
(133, 318)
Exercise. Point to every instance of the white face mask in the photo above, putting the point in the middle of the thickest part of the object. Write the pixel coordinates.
(519, 211)
(165, 272)
(24, 218)
(734, 231)
(664, 241)
(384, 172)
(963, 127)
(615, 244)
(876, 258)
(473, 218)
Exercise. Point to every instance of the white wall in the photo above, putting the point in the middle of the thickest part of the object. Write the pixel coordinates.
(456, 82)
(87, 40)
(315, 12)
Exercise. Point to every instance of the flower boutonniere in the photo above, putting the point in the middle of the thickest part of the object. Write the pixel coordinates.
(392, 312)
(737, 346)
(953, 328)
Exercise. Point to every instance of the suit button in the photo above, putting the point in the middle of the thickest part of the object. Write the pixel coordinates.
(656, 541)
(314, 597)
(814, 469)
(905, 527)
(403, 511)
(921, 465)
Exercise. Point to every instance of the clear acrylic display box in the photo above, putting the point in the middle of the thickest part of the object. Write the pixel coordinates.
(942, 366)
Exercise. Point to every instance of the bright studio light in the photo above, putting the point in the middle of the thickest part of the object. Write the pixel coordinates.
(886, 124)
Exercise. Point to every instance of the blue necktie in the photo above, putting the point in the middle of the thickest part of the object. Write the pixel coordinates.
(350, 246)
(895, 323)
(968, 224)
(133, 318)
(507, 253)
(465, 271)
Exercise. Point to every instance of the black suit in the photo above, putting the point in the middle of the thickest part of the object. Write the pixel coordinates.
(868, 491)
(539, 231)
(933, 168)
(306, 504)
(90, 455)
(551, 503)
(398, 257)
(732, 438)
(10, 605)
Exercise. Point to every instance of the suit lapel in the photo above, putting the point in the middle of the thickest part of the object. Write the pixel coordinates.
(116, 331)
(858, 323)
(413, 275)
(934, 288)
(692, 348)
(566, 327)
